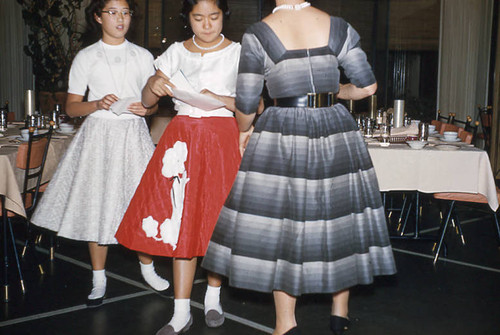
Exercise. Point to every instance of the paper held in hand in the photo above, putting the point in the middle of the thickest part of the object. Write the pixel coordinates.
(121, 106)
(184, 91)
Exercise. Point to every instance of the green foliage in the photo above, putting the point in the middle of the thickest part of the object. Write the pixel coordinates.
(53, 40)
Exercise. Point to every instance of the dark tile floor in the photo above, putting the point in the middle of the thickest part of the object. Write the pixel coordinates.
(460, 295)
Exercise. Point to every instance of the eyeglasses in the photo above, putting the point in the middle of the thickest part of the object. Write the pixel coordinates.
(114, 13)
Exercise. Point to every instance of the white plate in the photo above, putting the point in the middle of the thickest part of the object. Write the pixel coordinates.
(20, 139)
(66, 132)
(453, 140)
(447, 147)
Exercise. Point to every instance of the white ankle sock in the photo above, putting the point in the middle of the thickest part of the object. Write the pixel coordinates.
(152, 278)
(98, 284)
(182, 313)
(212, 299)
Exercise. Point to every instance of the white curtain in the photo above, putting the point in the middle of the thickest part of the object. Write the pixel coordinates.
(15, 67)
(464, 56)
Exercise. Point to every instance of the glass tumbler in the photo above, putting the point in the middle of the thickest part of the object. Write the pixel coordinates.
(423, 131)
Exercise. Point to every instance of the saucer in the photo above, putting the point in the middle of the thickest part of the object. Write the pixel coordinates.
(453, 140)
(66, 132)
(447, 147)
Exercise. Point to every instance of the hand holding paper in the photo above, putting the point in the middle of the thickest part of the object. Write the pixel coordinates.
(121, 106)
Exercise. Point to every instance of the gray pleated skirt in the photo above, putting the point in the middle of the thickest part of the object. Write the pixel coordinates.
(305, 213)
(96, 179)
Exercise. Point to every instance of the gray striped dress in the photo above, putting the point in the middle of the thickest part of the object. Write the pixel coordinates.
(304, 214)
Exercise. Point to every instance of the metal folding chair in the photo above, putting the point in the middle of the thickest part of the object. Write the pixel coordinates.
(31, 157)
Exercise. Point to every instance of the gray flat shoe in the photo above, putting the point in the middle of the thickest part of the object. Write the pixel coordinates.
(169, 330)
(214, 319)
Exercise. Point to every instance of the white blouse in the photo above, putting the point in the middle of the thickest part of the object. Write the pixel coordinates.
(104, 69)
(215, 71)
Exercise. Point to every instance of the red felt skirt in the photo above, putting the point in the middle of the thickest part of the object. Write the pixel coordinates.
(212, 162)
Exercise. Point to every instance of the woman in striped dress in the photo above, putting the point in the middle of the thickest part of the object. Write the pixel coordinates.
(304, 214)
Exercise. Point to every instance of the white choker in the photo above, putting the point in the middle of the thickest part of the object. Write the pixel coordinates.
(292, 7)
(209, 48)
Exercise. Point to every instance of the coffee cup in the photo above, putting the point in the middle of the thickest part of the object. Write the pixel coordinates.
(66, 127)
(450, 135)
(25, 133)
(432, 128)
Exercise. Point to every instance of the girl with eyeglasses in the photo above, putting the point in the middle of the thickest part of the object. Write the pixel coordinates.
(101, 169)
(174, 210)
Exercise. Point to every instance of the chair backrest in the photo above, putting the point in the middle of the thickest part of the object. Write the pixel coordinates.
(461, 123)
(449, 127)
(443, 118)
(31, 157)
(465, 136)
(437, 123)
(486, 116)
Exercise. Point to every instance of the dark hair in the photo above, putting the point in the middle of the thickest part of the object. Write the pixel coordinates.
(187, 7)
(96, 7)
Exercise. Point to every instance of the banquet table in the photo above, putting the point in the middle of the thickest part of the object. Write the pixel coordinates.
(438, 167)
(12, 178)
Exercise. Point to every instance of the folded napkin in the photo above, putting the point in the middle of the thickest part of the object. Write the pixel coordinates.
(410, 130)
(120, 106)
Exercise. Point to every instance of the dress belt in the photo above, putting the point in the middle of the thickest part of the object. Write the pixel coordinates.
(310, 100)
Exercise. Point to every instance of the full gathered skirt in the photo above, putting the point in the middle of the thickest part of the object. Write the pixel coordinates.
(95, 180)
(202, 154)
(305, 213)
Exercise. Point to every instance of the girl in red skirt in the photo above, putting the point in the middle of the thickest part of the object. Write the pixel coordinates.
(175, 207)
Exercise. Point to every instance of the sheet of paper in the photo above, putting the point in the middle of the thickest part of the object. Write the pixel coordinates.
(180, 81)
(120, 107)
(185, 92)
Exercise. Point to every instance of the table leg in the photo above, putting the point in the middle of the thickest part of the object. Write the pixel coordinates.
(5, 255)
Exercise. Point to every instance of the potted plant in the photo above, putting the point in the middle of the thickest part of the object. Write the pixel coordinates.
(53, 41)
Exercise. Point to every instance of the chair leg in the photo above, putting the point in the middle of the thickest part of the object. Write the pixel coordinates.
(495, 216)
(52, 247)
(410, 206)
(403, 207)
(5, 257)
(458, 228)
(16, 256)
(443, 233)
(29, 243)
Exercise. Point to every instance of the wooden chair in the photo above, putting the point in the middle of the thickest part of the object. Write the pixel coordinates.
(461, 123)
(31, 157)
(465, 136)
(437, 123)
(452, 199)
(11, 116)
(486, 117)
(446, 119)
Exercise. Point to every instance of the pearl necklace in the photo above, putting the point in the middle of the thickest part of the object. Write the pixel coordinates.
(209, 48)
(300, 6)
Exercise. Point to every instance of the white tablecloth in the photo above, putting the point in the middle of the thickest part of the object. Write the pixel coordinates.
(12, 178)
(429, 170)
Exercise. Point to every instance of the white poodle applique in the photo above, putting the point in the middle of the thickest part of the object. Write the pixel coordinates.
(173, 167)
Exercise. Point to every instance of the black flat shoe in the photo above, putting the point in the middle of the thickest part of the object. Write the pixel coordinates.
(91, 303)
(338, 324)
(293, 331)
